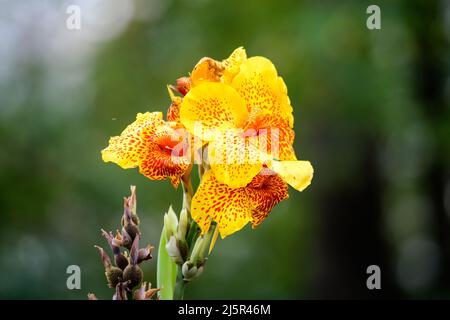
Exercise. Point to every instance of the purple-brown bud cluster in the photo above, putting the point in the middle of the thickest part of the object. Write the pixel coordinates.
(124, 273)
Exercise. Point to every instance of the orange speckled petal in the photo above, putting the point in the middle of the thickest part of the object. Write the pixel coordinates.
(213, 106)
(298, 174)
(228, 207)
(166, 155)
(234, 159)
(126, 149)
(262, 89)
(232, 64)
(265, 191)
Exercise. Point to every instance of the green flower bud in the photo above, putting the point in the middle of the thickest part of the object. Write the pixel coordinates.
(170, 223)
(173, 250)
(197, 252)
(189, 271)
(183, 225)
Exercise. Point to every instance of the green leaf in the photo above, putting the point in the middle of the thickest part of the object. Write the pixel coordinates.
(167, 270)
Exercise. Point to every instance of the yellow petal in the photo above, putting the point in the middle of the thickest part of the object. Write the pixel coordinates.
(212, 105)
(228, 207)
(206, 69)
(298, 174)
(262, 89)
(233, 158)
(126, 149)
(232, 64)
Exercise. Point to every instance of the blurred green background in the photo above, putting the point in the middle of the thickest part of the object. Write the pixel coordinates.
(372, 114)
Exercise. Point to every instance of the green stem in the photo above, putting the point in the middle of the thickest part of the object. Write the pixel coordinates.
(180, 285)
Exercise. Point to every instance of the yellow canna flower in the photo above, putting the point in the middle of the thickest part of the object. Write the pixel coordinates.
(255, 101)
(153, 145)
(244, 111)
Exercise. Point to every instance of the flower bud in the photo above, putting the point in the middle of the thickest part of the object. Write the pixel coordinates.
(105, 258)
(183, 85)
(197, 252)
(190, 271)
(173, 251)
(170, 223)
(127, 241)
(128, 223)
(132, 203)
(173, 112)
(183, 225)
(119, 259)
(145, 254)
(144, 292)
(113, 276)
(134, 251)
(121, 291)
(117, 240)
(92, 296)
(133, 274)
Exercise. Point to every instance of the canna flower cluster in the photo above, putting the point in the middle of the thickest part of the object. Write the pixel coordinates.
(233, 118)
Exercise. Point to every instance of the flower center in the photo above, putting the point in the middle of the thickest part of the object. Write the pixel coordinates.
(171, 146)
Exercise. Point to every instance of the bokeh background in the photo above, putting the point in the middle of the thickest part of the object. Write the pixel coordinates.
(372, 114)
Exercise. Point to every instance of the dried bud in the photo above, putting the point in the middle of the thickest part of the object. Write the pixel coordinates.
(113, 274)
(173, 250)
(183, 225)
(127, 241)
(132, 203)
(133, 274)
(121, 291)
(170, 223)
(183, 85)
(129, 225)
(92, 296)
(144, 292)
(121, 261)
(134, 251)
(145, 254)
(109, 237)
(117, 240)
(119, 258)
(105, 258)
